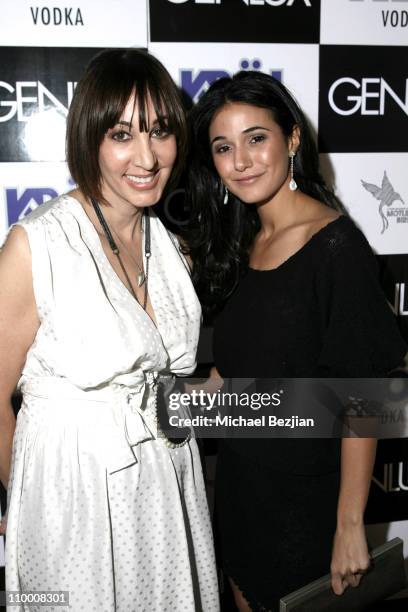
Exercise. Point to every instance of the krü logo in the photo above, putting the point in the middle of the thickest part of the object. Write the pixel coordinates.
(348, 96)
(386, 196)
(21, 98)
(56, 16)
(393, 478)
(18, 206)
(195, 83)
(248, 2)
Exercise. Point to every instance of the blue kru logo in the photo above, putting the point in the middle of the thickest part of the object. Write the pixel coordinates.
(195, 83)
(20, 206)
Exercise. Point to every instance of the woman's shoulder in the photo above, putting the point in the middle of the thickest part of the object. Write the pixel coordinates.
(48, 211)
(342, 237)
(335, 239)
(343, 254)
(331, 229)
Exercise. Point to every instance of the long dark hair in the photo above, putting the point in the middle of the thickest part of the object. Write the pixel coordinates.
(99, 100)
(219, 237)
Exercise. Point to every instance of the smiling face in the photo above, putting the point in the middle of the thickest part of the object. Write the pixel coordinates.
(250, 151)
(135, 166)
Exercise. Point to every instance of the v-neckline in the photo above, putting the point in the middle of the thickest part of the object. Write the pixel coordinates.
(112, 272)
(304, 248)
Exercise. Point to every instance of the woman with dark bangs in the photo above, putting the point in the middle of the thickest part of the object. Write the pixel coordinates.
(98, 316)
(300, 298)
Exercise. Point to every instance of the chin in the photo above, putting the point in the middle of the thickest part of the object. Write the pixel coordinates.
(251, 200)
(146, 200)
(146, 204)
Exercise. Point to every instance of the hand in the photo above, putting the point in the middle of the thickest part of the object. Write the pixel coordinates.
(214, 374)
(213, 383)
(350, 558)
(3, 525)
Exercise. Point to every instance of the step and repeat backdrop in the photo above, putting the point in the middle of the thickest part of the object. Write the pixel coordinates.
(346, 61)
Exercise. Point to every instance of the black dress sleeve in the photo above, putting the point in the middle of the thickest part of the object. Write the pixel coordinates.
(360, 333)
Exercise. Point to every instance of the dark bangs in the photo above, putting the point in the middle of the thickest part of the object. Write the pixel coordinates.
(98, 103)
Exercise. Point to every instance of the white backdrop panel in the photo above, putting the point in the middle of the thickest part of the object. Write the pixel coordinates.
(26, 185)
(195, 66)
(375, 207)
(51, 23)
(364, 22)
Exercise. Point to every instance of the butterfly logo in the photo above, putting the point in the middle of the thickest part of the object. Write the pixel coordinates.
(386, 196)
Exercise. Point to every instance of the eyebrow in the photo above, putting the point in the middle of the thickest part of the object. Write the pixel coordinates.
(247, 131)
(155, 122)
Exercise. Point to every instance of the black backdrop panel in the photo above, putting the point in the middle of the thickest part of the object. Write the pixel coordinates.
(394, 279)
(279, 21)
(34, 80)
(388, 500)
(363, 99)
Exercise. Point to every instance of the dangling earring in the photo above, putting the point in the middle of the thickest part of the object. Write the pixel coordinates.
(226, 194)
(292, 183)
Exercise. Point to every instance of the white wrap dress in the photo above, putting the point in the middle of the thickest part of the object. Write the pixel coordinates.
(98, 505)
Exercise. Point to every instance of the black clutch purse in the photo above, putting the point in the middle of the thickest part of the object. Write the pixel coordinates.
(385, 578)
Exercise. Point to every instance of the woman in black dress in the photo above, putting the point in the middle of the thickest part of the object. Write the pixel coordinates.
(301, 298)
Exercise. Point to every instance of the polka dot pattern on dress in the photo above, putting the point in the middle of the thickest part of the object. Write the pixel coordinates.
(97, 505)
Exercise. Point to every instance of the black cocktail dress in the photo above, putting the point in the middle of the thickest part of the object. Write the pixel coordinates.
(322, 313)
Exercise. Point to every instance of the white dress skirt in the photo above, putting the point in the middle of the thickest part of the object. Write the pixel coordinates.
(98, 505)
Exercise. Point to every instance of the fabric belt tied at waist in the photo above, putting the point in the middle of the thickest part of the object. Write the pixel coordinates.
(131, 400)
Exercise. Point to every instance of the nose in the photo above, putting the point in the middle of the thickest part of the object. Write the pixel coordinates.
(242, 159)
(144, 155)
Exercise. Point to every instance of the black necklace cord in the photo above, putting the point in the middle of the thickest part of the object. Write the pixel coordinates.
(147, 248)
(115, 249)
(105, 227)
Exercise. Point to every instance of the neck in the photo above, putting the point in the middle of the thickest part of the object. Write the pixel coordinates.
(279, 212)
(123, 219)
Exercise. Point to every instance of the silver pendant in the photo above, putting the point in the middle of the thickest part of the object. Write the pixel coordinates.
(141, 279)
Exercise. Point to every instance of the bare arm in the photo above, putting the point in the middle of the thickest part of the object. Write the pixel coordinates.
(18, 326)
(350, 553)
